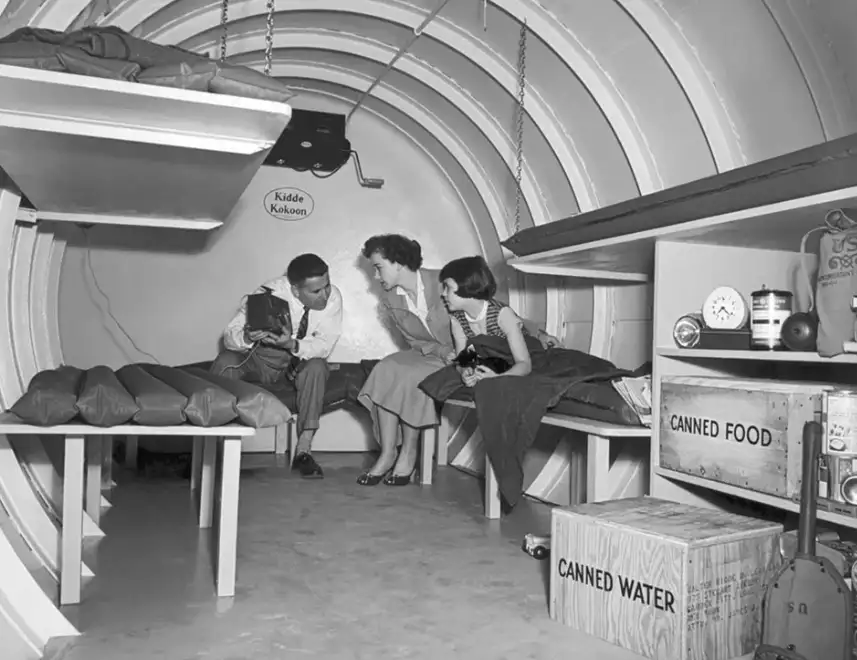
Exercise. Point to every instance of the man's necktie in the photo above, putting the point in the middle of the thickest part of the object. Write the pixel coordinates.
(302, 330)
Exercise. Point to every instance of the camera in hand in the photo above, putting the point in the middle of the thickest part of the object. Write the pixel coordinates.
(470, 359)
(265, 311)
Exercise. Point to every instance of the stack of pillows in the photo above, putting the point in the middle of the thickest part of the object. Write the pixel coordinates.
(146, 394)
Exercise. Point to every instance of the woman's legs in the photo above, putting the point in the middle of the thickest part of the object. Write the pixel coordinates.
(408, 454)
(387, 424)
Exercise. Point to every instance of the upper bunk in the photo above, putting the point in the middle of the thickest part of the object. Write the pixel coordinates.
(770, 204)
(97, 126)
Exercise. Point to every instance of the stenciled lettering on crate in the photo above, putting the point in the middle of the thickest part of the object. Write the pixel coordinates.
(742, 432)
(634, 590)
(665, 580)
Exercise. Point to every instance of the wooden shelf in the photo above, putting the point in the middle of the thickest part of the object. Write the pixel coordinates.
(753, 496)
(777, 226)
(763, 356)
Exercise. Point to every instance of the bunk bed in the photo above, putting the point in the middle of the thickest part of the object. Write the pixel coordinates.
(97, 126)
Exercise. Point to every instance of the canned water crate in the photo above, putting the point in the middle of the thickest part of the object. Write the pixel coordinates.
(665, 580)
(742, 432)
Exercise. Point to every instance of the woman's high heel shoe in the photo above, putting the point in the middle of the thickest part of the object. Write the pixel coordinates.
(367, 479)
(399, 479)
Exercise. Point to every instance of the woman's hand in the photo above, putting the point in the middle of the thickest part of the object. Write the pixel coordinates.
(468, 376)
(472, 376)
(448, 359)
(548, 341)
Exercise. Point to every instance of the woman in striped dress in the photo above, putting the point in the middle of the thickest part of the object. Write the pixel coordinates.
(468, 289)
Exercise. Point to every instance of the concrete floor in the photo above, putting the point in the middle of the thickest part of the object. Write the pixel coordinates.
(326, 569)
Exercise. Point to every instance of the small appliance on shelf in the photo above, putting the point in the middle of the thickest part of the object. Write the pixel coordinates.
(721, 325)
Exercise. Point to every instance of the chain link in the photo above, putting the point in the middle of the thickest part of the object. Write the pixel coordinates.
(269, 38)
(519, 146)
(224, 30)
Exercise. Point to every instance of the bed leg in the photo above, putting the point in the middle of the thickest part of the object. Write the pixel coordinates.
(597, 468)
(492, 492)
(429, 442)
(93, 478)
(196, 461)
(443, 441)
(228, 527)
(72, 520)
(107, 462)
(281, 439)
(206, 494)
(292, 426)
(131, 452)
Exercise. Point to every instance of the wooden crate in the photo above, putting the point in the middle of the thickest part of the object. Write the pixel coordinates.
(742, 432)
(665, 580)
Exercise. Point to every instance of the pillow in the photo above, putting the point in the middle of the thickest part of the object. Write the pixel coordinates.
(76, 61)
(255, 406)
(102, 400)
(247, 82)
(51, 397)
(197, 76)
(32, 54)
(207, 404)
(158, 403)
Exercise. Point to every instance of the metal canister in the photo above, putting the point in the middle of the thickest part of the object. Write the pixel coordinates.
(839, 418)
(687, 330)
(769, 309)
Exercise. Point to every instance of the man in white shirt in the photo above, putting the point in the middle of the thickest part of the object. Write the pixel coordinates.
(300, 354)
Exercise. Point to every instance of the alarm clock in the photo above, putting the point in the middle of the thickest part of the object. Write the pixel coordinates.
(725, 309)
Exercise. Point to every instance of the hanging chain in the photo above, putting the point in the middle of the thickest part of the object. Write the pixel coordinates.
(269, 38)
(224, 30)
(519, 151)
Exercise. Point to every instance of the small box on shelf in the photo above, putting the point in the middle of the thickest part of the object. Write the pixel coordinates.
(665, 580)
(742, 432)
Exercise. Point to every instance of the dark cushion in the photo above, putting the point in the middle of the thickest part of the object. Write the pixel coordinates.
(51, 397)
(207, 404)
(254, 405)
(247, 82)
(596, 400)
(197, 75)
(102, 400)
(158, 403)
(344, 383)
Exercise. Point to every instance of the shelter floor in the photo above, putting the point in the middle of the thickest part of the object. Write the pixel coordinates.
(327, 569)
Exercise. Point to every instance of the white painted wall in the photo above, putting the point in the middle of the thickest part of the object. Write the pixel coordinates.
(174, 291)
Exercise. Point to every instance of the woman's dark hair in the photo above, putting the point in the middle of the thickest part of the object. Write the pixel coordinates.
(305, 267)
(473, 277)
(395, 248)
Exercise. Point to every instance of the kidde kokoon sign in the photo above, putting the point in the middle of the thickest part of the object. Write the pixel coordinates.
(289, 204)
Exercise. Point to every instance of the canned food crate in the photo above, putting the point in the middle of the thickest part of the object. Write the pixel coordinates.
(665, 580)
(742, 432)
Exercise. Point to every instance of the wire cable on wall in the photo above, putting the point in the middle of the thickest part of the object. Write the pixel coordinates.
(87, 258)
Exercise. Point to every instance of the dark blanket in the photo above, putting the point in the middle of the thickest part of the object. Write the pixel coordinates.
(110, 52)
(509, 409)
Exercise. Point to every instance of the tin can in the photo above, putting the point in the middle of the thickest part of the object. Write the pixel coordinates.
(839, 418)
(768, 311)
(842, 479)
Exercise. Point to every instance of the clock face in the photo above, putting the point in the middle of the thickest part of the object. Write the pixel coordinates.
(725, 309)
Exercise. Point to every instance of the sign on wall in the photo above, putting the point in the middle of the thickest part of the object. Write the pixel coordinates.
(289, 204)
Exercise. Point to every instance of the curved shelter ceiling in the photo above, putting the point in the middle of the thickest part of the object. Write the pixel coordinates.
(623, 97)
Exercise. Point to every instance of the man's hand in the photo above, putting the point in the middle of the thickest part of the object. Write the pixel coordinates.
(256, 335)
(548, 341)
(280, 341)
